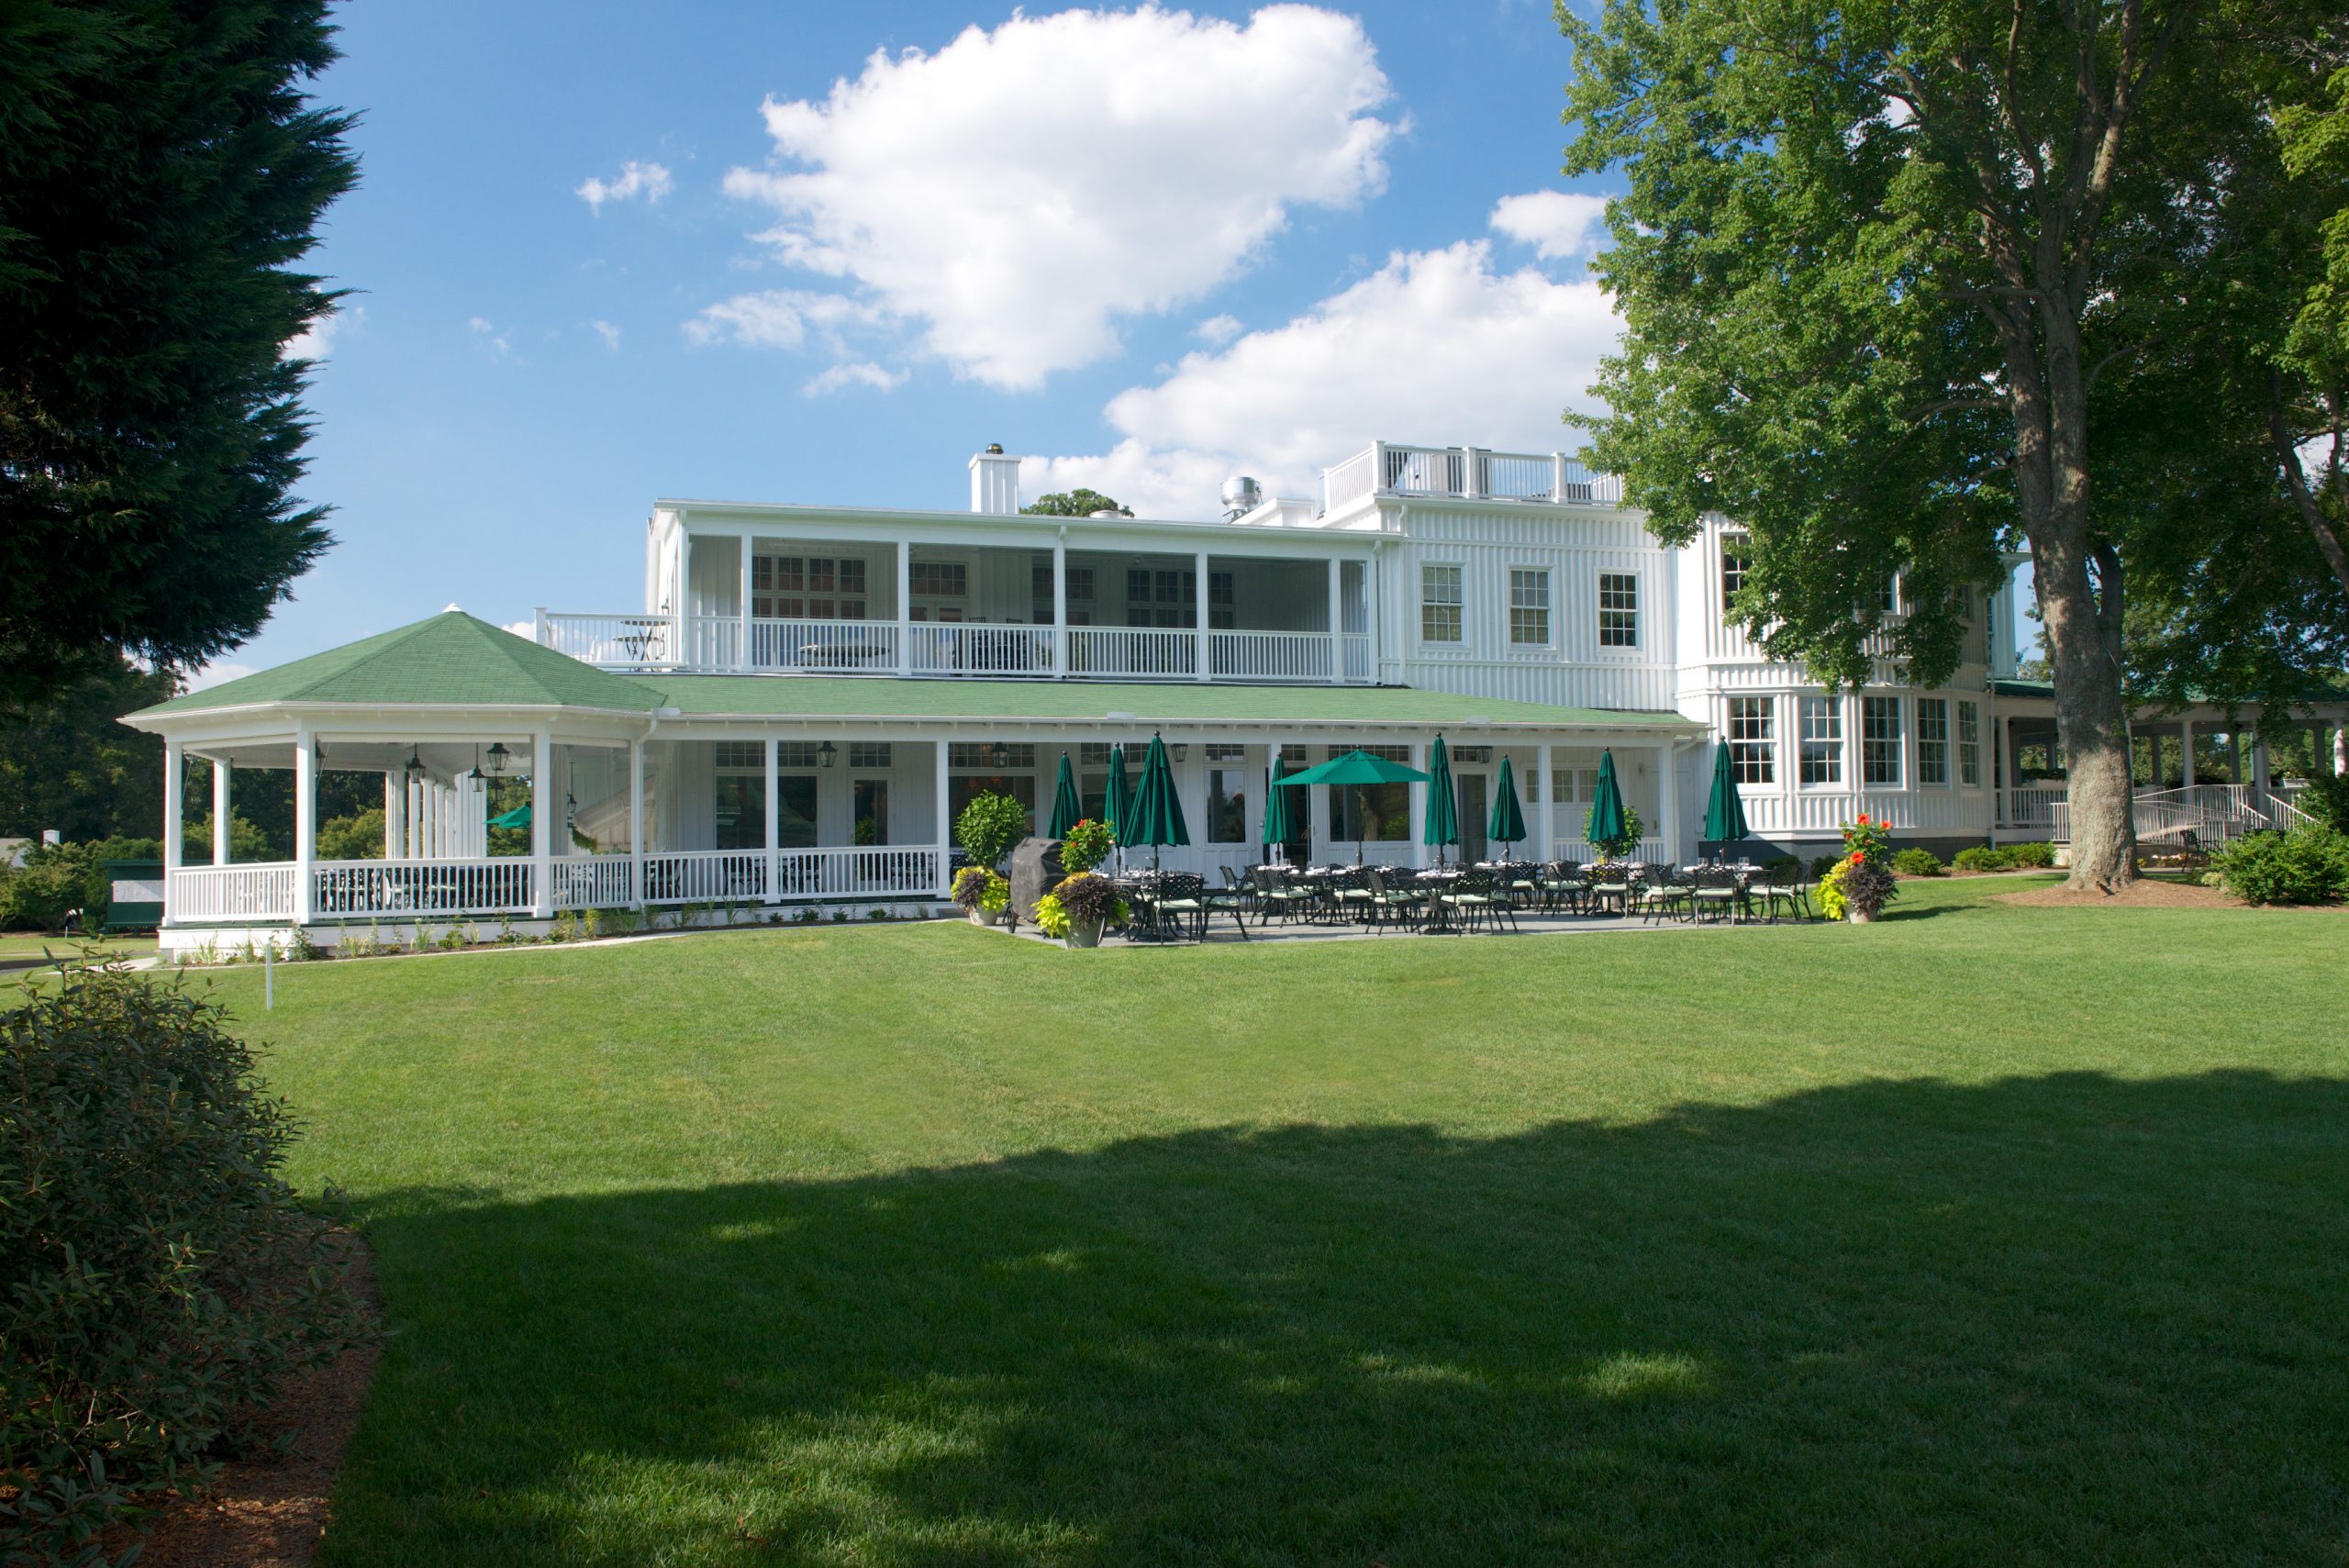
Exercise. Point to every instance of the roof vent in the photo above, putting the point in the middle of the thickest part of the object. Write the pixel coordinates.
(1241, 495)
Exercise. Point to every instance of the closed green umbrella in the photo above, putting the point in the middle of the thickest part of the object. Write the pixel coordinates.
(1606, 807)
(1156, 817)
(1356, 767)
(1066, 812)
(1724, 812)
(1118, 795)
(1508, 825)
(1443, 806)
(1279, 824)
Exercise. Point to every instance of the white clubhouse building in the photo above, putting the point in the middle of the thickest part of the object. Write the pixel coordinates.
(809, 693)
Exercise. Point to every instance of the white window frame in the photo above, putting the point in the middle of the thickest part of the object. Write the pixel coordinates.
(1820, 743)
(1528, 597)
(1881, 726)
(1737, 548)
(1969, 745)
(1430, 605)
(1932, 750)
(1606, 580)
(1751, 729)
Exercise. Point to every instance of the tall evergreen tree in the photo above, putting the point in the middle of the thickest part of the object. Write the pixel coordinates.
(160, 174)
(1899, 283)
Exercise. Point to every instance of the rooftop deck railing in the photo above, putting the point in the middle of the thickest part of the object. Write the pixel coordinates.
(1468, 473)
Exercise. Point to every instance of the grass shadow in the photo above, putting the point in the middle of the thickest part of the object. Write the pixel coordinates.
(2061, 1320)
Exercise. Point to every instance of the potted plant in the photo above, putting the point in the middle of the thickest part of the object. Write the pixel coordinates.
(1862, 883)
(1088, 845)
(983, 894)
(989, 828)
(1078, 908)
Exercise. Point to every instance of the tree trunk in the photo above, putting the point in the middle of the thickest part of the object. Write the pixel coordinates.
(2090, 719)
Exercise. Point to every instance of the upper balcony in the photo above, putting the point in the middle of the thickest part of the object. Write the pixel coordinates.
(1466, 473)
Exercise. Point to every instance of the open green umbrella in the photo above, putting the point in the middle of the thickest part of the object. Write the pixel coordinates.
(518, 817)
(1442, 824)
(1066, 812)
(1356, 767)
(1724, 812)
(1156, 816)
(1606, 807)
(1279, 823)
(1507, 826)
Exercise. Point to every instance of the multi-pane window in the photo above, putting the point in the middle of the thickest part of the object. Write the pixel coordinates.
(932, 581)
(1219, 752)
(1890, 603)
(1733, 559)
(868, 753)
(751, 756)
(1880, 742)
(1969, 745)
(1226, 806)
(1093, 754)
(1472, 756)
(1822, 740)
(1618, 610)
(1439, 604)
(1529, 608)
(1932, 740)
(1752, 752)
(1080, 594)
(794, 587)
(1574, 786)
(741, 814)
(983, 754)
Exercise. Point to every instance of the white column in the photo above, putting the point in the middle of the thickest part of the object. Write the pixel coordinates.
(223, 810)
(1545, 809)
(305, 820)
(175, 808)
(1668, 802)
(945, 828)
(2340, 749)
(1059, 605)
(774, 819)
(636, 823)
(1337, 629)
(904, 607)
(429, 807)
(744, 653)
(1418, 794)
(2259, 766)
(542, 814)
(1199, 605)
(2186, 744)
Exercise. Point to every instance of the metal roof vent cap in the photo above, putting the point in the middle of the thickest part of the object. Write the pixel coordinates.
(1241, 495)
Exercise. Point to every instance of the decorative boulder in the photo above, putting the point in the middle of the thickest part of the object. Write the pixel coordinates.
(1035, 871)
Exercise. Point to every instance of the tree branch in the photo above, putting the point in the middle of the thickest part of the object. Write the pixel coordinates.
(2288, 458)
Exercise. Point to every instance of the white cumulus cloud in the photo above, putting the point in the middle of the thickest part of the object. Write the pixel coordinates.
(608, 333)
(217, 672)
(1559, 224)
(500, 345)
(1013, 195)
(780, 319)
(649, 181)
(1436, 347)
(315, 341)
(1218, 329)
(860, 372)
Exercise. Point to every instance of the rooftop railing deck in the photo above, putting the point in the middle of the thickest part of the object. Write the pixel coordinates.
(1467, 473)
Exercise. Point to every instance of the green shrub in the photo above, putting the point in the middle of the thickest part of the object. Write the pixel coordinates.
(157, 1278)
(1623, 843)
(990, 829)
(2035, 857)
(1982, 857)
(2307, 865)
(1919, 863)
(1820, 865)
(359, 838)
(2327, 800)
(1088, 845)
(53, 882)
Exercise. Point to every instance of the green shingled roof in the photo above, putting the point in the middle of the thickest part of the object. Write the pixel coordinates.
(451, 658)
(829, 696)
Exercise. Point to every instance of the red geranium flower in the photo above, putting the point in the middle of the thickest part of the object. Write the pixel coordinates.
(1864, 818)
(1857, 856)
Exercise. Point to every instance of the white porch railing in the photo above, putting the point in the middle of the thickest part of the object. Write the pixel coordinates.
(1133, 654)
(626, 642)
(2213, 812)
(595, 882)
(825, 647)
(1269, 655)
(949, 648)
(2030, 806)
(740, 877)
(710, 642)
(392, 889)
(1467, 473)
(207, 894)
(1358, 670)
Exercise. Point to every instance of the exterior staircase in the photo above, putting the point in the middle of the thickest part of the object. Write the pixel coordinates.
(2215, 814)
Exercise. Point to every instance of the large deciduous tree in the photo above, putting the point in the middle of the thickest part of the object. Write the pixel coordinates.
(160, 174)
(1900, 280)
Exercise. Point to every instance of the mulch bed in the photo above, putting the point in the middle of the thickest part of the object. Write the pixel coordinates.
(270, 1511)
(2145, 893)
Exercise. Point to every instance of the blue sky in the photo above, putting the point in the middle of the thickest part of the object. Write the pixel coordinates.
(602, 253)
(483, 440)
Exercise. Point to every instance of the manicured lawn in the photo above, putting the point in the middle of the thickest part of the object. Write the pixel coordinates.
(33, 944)
(1984, 1235)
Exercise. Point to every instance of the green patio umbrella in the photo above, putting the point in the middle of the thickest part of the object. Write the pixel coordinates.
(1280, 824)
(1443, 825)
(518, 817)
(1605, 806)
(1356, 767)
(1508, 825)
(1066, 812)
(1724, 812)
(1156, 816)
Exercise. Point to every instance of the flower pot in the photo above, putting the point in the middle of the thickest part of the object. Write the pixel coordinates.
(1084, 933)
(986, 916)
(1860, 917)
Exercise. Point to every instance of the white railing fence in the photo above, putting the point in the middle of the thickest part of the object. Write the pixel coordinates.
(898, 870)
(1133, 654)
(629, 643)
(1270, 655)
(499, 886)
(827, 646)
(2214, 812)
(964, 650)
(711, 642)
(595, 882)
(2030, 806)
(1468, 473)
(232, 893)
(1357, 656)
